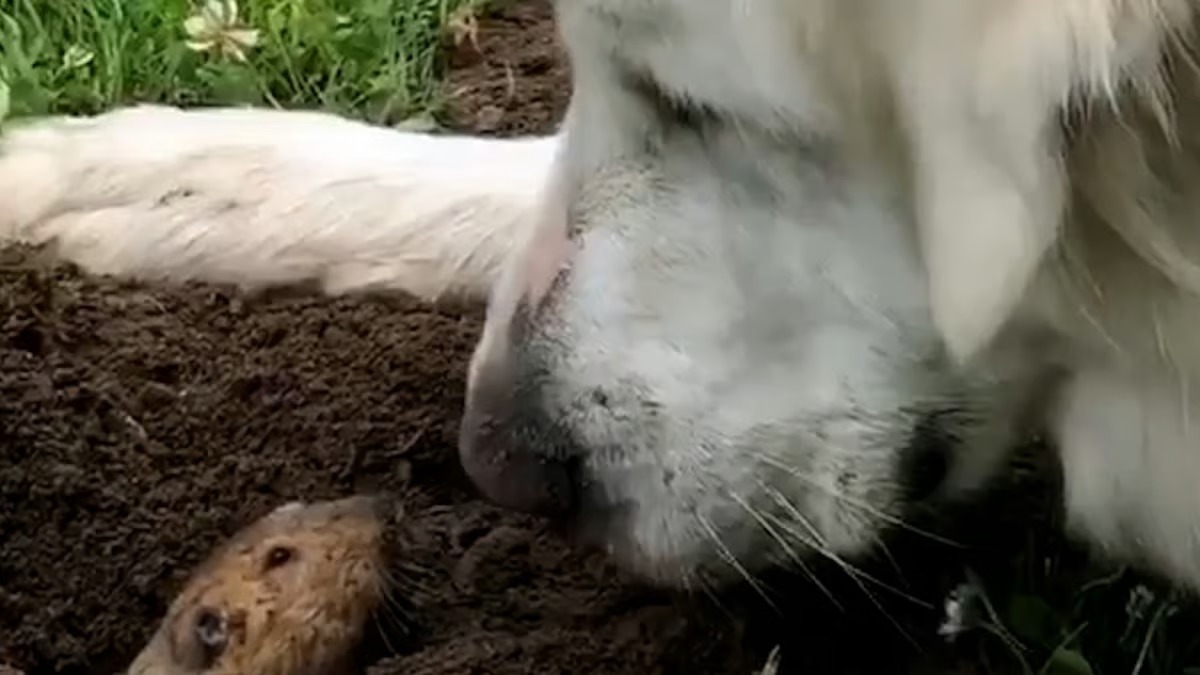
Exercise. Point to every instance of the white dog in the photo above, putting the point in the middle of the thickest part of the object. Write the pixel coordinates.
(790, 267)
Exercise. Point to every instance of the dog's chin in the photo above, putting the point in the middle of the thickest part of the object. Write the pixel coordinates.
(608, 528)
(695, 563)
(692, 556)
(665, 573)
(634, 538)
(610, 531)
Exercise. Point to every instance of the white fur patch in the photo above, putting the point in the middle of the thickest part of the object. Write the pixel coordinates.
(262, 198)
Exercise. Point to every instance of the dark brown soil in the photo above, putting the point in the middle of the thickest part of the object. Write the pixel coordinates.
(140, 426)
(510, 76)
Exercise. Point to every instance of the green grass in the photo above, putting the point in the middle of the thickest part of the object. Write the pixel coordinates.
(1051, 604)
(373, 59)
(1067, 623)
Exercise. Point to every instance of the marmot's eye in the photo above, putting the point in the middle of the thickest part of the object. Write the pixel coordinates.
(279, 556)
(212, 631)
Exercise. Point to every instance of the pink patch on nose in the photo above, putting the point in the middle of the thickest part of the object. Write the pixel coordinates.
(549, 253)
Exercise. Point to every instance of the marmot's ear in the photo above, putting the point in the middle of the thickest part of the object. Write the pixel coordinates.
(199, 637)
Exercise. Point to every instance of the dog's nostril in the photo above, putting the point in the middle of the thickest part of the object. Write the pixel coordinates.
(507, 472)
(514, 478)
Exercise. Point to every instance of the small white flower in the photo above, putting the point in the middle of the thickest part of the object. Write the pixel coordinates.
(1138, 604)
(217, 28)
(418, 123)
(77, 56)
(961, 611)
(463, 25)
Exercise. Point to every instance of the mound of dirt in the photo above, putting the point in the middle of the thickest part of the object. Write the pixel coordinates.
(143, 425)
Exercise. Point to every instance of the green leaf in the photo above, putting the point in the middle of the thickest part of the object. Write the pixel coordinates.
(1067, 662)
(1033, 620)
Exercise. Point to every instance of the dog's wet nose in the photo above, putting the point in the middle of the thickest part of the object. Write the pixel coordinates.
(502, 452)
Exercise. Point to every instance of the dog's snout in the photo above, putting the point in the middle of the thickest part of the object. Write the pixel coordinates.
(508, 445)
(502, 451)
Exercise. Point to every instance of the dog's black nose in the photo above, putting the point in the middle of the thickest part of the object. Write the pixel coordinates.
(506, 449)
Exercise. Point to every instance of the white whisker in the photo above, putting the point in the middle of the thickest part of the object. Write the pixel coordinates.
(795, 557)
(823, 550)
(732, 560)
(850, 501)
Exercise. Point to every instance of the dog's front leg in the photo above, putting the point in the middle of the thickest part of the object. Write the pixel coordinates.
(261, 198)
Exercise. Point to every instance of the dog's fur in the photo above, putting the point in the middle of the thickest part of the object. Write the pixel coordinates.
(263, 198)
(781, 252)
